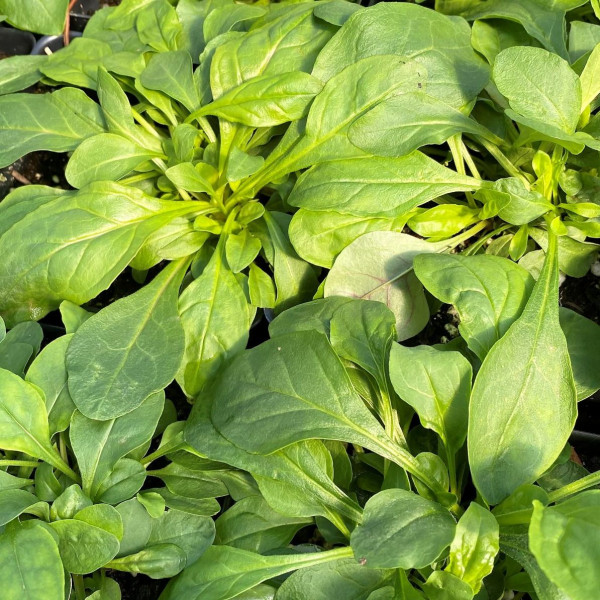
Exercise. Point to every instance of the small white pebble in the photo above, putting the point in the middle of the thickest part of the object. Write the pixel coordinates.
(561, 279)
(55, 179)
(596, 268)
(278, 348)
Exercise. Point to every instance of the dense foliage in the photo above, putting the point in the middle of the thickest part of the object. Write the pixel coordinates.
(304, 158)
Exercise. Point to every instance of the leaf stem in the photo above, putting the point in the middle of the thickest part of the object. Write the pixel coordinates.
(584, 483)
(460, 238)
(79, 586)
(19, 463)
(503, 160)
(145, 125)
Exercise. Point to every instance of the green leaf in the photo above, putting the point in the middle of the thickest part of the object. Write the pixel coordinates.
(137, 526)
(23, 420)
(442, 585)
(190, 178)
(30, 565)
(14, 503)
(319, 236)
(49, 372)
(532, 362)
(171, 73)
(437, 384)
(289, 375)
(261, 288)
(19, 72)
(267, 100)
(141, 333)
(192, 533)
(375, 186)
(516, 546)
(41, 16)
(215, 318)
(58, 122)
(241, 249)
(455, 73)
(539, 86)
(224, 572)
(162, 561)
(402, 530)
(583, 342)
(590, 87)
(399, 125)
(105, 157)
(341, 579)
(289, 41)
(475, 546)
(488, 292)
(105, 224)
(295, 280)
(153, 502)
(90, 539)
(379, 266)
(98, 445)
(563, 539)
(251, 524)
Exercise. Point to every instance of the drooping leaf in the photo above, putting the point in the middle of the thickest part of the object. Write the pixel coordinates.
(41, 16)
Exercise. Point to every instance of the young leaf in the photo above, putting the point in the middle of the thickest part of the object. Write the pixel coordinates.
(475, 546)
(241, 249)
(23, 420)
(30, 565)
(378, 266)
(98, 445)
(139, 334)
(224, 572)
(402, 530)
(215, 318)
(589, 79)
(563, 539)
(188, 177)
(507, 445)
(171, 73)
(267, 100)
(161, 561)
(49, 372)
(487, 303)
(437, 384)
(19, 72)
(105, 157)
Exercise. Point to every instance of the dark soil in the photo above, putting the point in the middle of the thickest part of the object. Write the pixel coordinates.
(138, 587)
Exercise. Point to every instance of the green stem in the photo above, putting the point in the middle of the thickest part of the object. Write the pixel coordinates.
(460, 238)
(482, 240)
(19, 463)
(456, 146)
(503, 161)
(469, 160)
(518, 517)
(138, 177)
(584, 483)
(145, 125)
(163, 167)
(79, 586)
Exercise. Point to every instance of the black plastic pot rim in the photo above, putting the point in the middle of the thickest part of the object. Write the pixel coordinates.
(45, 41)
(8, 35)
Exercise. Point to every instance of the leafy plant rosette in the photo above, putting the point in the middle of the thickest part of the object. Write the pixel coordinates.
(206, 116)
(233, 151)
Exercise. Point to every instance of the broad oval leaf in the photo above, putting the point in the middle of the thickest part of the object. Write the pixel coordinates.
(30, 565)
(379, 266)
(507, 446)
(402, 530)
(138, 334)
